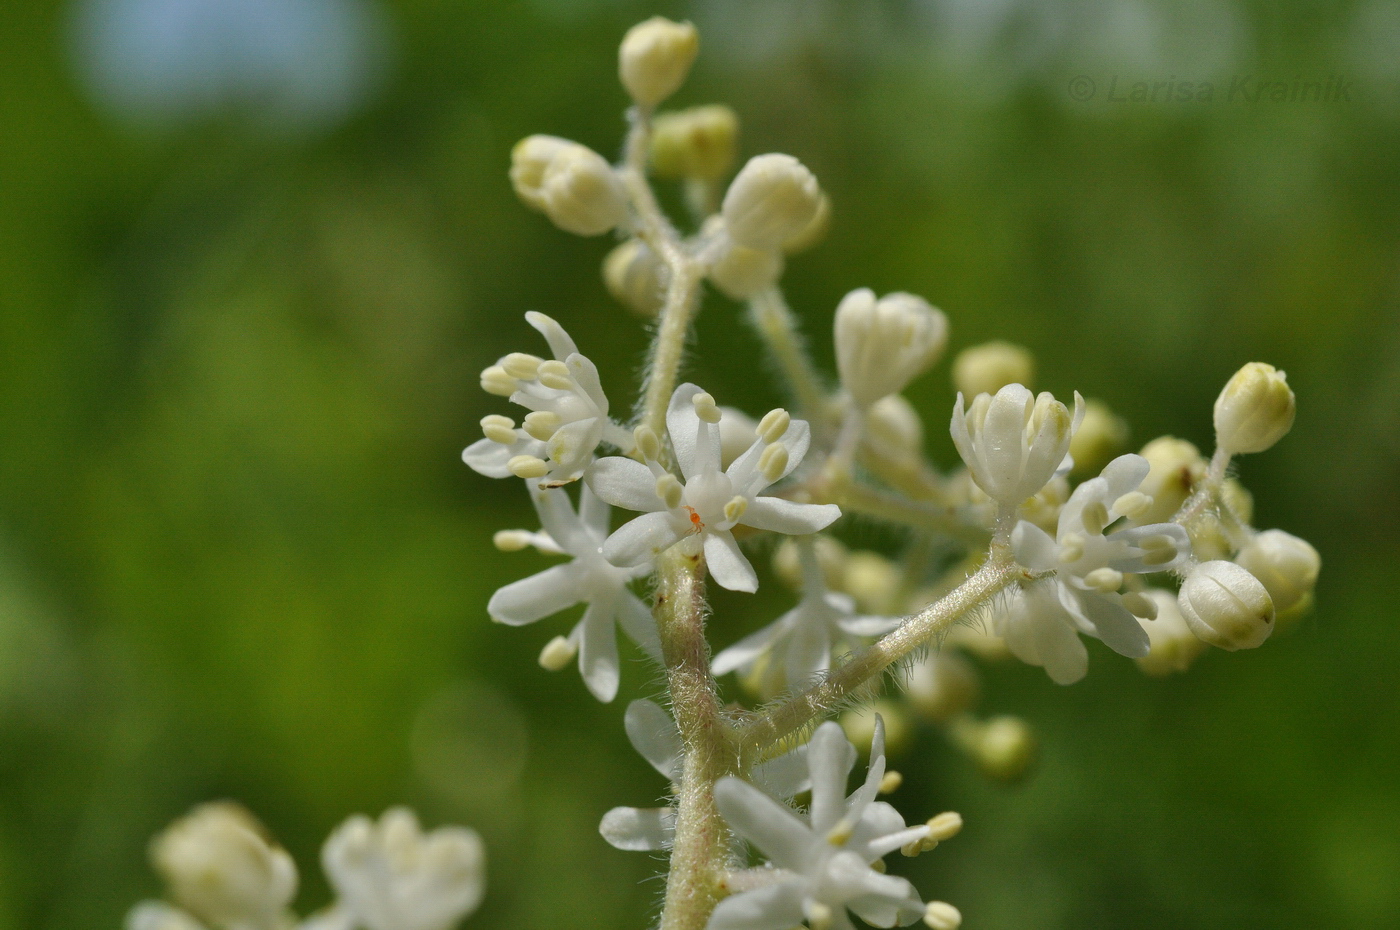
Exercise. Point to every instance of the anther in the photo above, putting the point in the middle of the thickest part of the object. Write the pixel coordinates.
(499, 429)
(840, 834)
(1104, 580)
(735, 508)
(1140, 605)
(555, 374)
(1095, 517)
(542, 424)
(494, 380)
(557, 654)
(669, 489)
(773, 425)
(1072, 548)
(891, 782)
(527, 466)
(512, 540)
(773, 462)
(648, 443)
(1133, 504)
(705, 407)
(521, 365)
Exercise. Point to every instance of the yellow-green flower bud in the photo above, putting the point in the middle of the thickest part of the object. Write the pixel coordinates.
(991, 366)
(740, 272)
(636, 277)
(942, 686)
(1255, 410)
(1175, 467)
(814, 232)
(528, 162)
(696, 143)
(582, 193)
(1285, 565)
(772, 199)
(655, 57)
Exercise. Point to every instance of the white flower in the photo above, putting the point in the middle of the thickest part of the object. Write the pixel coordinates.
(882, 345)
(392, 876)
(1014, 442)
(222, 868)
(1089, 568)
(710, 502)
(568, 418)
(157, 915)
(588, 578)
(821, 861)
(799, 643)
(653, 734)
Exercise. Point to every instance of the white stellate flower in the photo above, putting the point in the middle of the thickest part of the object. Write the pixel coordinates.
(568, 418)
(653, 734)
(588, 578)
(390, 875)
(1014, 442)
(799, 644)
(710, 502)
(1083, 597)
(220, 866)
(883, 344)
(821, 860)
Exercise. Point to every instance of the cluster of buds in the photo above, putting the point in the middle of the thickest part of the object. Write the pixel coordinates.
(223, 872)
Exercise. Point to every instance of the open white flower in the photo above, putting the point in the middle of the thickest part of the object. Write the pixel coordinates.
(799, 644)
(1014, 442)
(653, 734)
(821, 861)
(568, 418)
(1084, 596)
(710, 502)
(390, 875)
(587, 579)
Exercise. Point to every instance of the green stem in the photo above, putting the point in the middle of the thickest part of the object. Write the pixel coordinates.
(776, 323)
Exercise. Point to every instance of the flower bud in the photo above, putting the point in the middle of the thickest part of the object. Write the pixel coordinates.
(157, 915)
(528, 162)
(695, 143)
(636, 277)
(991, 366)
(1173, 646)
(740, 272)
(1226, 606)
(832, 556)
(1014, 442)
(874, 582)
(892, 424)
(859, 724)
(1175, 466)
(882, 345)
(942, 686)
(1004, 748)
(582, 193)
(220, 866)
(773, 199)
(1285, 565)
(1099, 438)
(1255, 410)
(655, 58)
(814, 232)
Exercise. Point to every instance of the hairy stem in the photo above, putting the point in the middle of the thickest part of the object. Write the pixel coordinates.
(1206, 492)
(856, 498)
(683, 288)
(700, 849)
(775, 322)
(793, 714)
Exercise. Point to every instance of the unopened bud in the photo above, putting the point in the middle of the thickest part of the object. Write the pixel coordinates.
(557, 654)
(1226, 606)
(815, 230)
(1173, 646)
(696, 143)
(636, 277)
(740, 272)
(991, 366)
(582, 193)
(874, 582)
(940, 915)
(1175, 466)
(655, 57)
(1099, 438)
(771, 200)
(1255, 410)
(894, 424)
(528, 162)
(832, 558)
(1004, 748)
(941, 686)
(1285, 565)
(882, 345)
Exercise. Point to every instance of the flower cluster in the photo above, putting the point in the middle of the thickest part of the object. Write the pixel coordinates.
(224, 873)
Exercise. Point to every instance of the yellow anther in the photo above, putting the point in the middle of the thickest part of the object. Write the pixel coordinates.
(705, 408)
(648, 443)
(555, 374)
(557, 654)
(940, 915)
(542, 424)
(912, 848)
(818, 916)
(521, 365)
(773, 425)
(512, 540)
(945, 826)
(1072, 548)
(527, 466)
(494, 380)
(1157, 550)
(773, 462)
(1140, 605)
(499, 429)
(891, 782)
(1133, 504)
(1104, 580)
(840, 834)
(735, 508)
(669, 489)
(1094, 517)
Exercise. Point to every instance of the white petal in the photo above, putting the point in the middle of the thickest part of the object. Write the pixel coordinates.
(830, 756)
(571, 448)
(1124, 474)
(727, 564)
(594, 512)
(540, 595)
(639, 829)
(652, 732)
(157, 915)
(785, 775)
(880, 900)
(957, 427)
(806, 652)
(558, 519)
(869, 626)
(335, 917)
(625, 483)
(1134, 535)
(773, 907)
(746, 650)
(489, 458)
(597, 652)
(559, 342)
(1003, 440)
(789, 517)
(771, 826)
(1034, 548)
(798, 439)
(1111, 621)
(637, 621)
(682, 422)
(1062, 652)
(638, 541)
(862, 796)
(585, 374)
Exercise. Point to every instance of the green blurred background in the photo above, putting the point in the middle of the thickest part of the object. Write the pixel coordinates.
(239, 338)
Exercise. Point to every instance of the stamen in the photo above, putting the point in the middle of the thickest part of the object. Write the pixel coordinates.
(543, 424)
(735, 508)
(648, 443)
(705, 408)
(555, 374)
(773, 425)
(773, 462)
(527, 466)
(512, 540)
(891, 782)
(1104, 580)
(557, 654)
(1095, 517)
(494, 380)
(499, 429)
(1140, 605)
(669, 489)
(521, 365)
(1132, 505)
